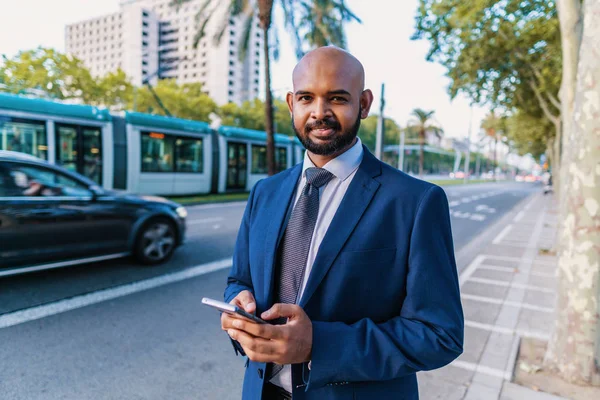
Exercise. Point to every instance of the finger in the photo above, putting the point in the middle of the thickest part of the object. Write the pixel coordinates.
(264, 331)
(280, 310)
(245, 299)
(258, 347)
(228, 319)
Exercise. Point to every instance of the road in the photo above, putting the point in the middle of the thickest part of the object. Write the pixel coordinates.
(73, 334)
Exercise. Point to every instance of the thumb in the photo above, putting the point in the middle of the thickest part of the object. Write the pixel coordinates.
(281, 310)
(245, 299)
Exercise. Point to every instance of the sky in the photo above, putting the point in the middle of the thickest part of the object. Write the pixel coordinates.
(382, 43)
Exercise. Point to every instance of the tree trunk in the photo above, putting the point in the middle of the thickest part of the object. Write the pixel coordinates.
(421, 153)
(495, 156)
(571, 26)
(574, 349)
(556, 157)
(265, 8)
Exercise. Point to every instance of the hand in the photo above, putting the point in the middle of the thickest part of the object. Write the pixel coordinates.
(244, 300)
(282, 344)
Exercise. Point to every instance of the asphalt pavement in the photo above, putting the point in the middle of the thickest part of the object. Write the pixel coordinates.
(74, 334)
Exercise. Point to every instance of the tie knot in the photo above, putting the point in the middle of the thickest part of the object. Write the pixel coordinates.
(318, 176)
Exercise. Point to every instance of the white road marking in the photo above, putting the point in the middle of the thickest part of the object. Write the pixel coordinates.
(61, 306)
(216, 205)
(480, 368)
(496, 282)
(483, 207)
(215, 227)
(459, 214)
(205, 221)
(499, 268)
(492, 300)
(454, 203)
(467, 272)
(508, 331)
(465, 200)
(478, 217)
(519, 216)
(501, 235)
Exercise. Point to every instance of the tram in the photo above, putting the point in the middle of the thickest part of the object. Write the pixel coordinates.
(141, 153)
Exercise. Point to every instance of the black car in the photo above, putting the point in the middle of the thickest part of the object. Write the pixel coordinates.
(51, 217)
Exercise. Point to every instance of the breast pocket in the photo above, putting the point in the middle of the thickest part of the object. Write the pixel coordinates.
(375, 258)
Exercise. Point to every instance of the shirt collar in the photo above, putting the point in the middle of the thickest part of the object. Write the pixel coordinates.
(343, 165)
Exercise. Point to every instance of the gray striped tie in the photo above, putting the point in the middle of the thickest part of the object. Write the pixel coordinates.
(296, 241)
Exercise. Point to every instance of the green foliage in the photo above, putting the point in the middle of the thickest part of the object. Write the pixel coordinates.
(251, 115)
(529, 133)
(368, 131)
(183, 101)
(493, 50)
(58, 75)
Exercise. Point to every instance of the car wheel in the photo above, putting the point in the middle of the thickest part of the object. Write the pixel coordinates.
(155, 242)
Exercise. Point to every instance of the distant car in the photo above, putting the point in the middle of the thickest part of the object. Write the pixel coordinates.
(51, 217)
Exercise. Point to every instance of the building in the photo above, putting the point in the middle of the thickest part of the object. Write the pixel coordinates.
(150, 40)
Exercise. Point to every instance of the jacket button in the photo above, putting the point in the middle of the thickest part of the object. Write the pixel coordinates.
(260, 373)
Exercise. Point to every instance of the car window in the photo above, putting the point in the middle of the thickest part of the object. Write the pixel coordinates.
(32, 181)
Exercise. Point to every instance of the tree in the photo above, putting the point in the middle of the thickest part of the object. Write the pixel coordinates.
(183, 101)
(424, 126)
(530, 134)
(114, 91)
(574, 348)
(368, 131)
(505, 54)
(494, 127)
(263, 10)
(57, 75)
(250, 115)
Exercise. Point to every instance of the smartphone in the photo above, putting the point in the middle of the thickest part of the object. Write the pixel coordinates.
(231, 309)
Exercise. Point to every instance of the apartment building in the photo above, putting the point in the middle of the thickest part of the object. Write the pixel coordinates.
(150, 40)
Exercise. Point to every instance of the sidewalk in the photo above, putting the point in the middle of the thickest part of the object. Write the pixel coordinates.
(508, 293)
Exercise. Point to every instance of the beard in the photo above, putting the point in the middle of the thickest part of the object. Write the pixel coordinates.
(338, 142)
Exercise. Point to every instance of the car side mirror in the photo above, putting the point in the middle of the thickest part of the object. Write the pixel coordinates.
(97, 191)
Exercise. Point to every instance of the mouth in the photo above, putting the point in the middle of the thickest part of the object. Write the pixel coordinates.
(323, 133)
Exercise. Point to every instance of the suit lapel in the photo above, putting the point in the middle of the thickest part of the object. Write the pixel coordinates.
(353, 205)
(279, 205)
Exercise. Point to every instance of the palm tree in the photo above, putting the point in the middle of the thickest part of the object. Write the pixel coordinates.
(423, 125)
(493, 126)
(323, 16)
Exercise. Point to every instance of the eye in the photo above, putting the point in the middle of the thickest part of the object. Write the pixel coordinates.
(338, 99)
(304, 97)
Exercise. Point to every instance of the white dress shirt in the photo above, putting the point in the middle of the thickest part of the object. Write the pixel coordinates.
(343, 168)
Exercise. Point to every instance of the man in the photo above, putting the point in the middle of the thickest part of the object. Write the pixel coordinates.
(350, 257)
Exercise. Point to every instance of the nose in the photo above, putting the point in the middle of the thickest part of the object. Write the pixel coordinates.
(321, 110)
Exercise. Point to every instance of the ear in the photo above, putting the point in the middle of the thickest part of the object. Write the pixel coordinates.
(289, 98)
(366, 100)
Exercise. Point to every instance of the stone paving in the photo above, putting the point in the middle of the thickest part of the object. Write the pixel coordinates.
(508, 292)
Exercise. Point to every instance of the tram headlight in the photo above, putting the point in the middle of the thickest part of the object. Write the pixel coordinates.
(182, 212)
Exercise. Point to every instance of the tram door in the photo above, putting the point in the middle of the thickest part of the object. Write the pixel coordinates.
(79, 149)
(237, 166)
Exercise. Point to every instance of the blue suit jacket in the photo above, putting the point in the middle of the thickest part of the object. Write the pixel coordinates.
(383, 293)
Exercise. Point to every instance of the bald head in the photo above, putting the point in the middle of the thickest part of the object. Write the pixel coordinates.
(328, 102)
(330, 61)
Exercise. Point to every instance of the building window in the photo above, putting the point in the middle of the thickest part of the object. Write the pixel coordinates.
(280, 159)
(25, 136)
(230, 83)
(231, 43)
(231, 53)
(230, 73)
(256, 81)
(231, 93)
(231, 22)
(144, 13)
(157, 152)
(189, 154)
(144, 44)
(259, 159)
(231, 62)
(232, 32)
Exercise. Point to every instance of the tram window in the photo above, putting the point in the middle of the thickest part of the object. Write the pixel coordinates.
(281, 159)
(259, 159)
(157, 152)
(24, 136)
(189, 155)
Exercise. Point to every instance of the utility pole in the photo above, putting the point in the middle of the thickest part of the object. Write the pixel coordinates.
(380, 126)
(401, 152)
(468, 157)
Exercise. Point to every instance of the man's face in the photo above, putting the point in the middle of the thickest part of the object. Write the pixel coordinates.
(327, 106)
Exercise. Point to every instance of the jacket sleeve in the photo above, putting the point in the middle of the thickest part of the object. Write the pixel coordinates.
(427, 334)
(239, 278)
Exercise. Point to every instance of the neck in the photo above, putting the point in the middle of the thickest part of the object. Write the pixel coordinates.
(320, 160)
